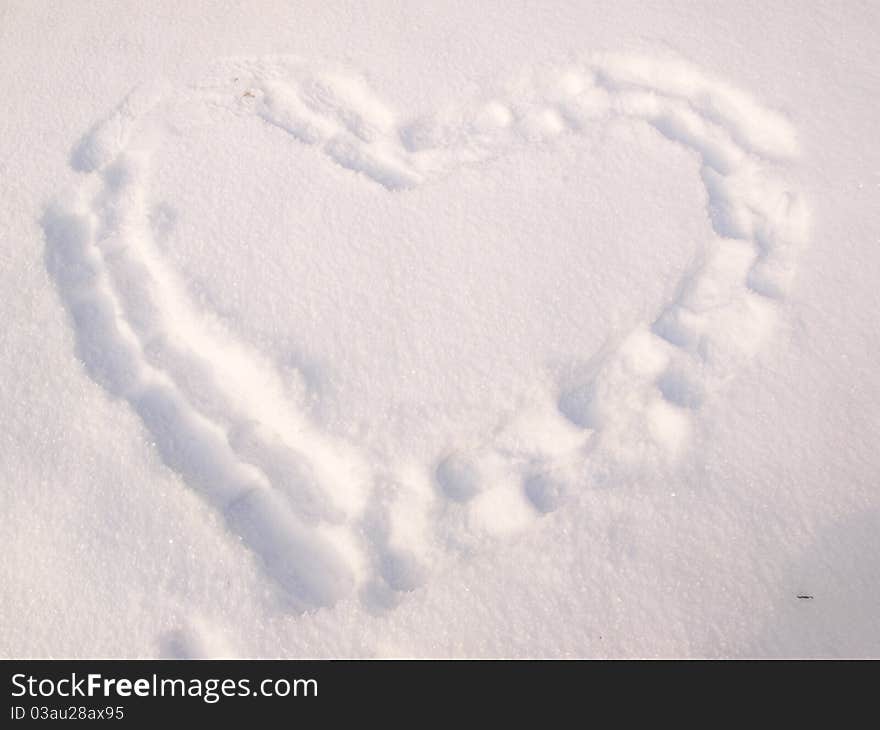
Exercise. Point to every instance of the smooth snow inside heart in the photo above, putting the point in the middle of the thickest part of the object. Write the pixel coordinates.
(413, 315)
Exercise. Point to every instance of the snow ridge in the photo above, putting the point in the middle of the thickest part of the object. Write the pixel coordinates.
(322, 521)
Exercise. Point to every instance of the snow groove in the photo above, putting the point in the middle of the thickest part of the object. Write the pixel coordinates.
(322, 522)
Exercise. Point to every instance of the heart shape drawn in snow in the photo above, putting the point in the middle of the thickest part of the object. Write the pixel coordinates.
(323, 521)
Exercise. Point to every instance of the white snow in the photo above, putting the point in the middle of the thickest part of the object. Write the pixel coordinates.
(415, 329)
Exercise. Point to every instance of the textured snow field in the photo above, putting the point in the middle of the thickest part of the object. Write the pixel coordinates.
(440, 329)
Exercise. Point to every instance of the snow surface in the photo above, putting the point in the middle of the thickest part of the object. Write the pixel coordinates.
(434, 329)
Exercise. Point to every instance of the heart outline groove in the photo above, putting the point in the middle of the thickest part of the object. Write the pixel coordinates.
(322, 522)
